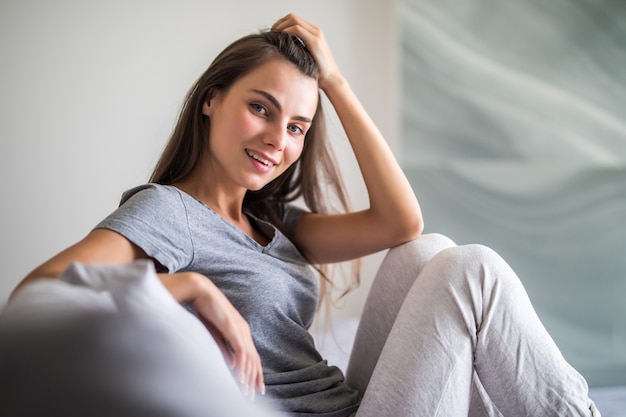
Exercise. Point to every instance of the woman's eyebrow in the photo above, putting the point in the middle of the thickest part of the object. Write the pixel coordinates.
(276, 104)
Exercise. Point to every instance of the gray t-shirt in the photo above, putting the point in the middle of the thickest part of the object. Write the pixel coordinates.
(273, 287)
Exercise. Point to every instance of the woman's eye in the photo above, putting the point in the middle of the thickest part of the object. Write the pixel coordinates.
(295, 129)
(258, 108)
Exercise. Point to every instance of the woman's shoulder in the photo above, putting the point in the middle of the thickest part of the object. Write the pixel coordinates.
(290, 214)
(150, 192)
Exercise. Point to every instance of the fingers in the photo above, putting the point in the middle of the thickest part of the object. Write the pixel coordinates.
(243, 356)
(229, 329)
(291, 20)
(316, 44)
(299, 27)
(232, 334)
(248, 368)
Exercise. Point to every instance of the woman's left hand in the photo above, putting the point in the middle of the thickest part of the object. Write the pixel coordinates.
(316, 44)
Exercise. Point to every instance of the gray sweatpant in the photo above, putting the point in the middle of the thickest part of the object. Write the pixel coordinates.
(449, 330)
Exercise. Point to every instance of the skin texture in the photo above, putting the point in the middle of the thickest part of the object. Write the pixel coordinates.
(264, 115)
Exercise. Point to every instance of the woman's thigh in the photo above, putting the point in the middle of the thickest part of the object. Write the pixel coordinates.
(395, 277)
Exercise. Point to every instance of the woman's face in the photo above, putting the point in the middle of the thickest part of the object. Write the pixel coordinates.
(258, 126)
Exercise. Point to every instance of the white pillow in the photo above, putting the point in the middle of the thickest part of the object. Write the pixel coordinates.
(111, 341)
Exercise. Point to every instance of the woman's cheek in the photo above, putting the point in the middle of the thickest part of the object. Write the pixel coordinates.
(296, 151)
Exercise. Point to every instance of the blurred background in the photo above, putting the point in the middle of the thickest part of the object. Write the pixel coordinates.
(508, 117)
(514, 135)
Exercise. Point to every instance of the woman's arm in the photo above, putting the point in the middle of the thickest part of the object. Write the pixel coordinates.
(228, 327)
(394, 215)
(99, 246)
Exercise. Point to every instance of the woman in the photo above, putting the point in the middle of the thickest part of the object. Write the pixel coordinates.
(447, 330)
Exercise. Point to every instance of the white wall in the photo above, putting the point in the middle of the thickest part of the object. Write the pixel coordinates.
(89, 91)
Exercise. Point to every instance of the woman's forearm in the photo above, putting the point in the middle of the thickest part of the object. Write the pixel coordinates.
(391, 197)
(99, 246)
(42, 272)
(184, 286)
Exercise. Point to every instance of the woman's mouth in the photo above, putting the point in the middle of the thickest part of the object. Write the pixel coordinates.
(259, 158)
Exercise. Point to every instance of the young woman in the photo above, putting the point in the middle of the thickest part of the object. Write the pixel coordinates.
(447, 330)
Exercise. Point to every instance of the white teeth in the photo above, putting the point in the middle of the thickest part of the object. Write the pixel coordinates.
(260, 159)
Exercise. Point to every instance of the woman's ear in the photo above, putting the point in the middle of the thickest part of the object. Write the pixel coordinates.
(207, 109)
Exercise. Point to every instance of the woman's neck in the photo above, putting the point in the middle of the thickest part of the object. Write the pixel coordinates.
(227, 207)
(226, 203)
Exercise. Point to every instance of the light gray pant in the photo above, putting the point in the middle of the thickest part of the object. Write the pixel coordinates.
(449, 331)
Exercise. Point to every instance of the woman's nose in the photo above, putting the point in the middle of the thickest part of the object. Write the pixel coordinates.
(276, 137)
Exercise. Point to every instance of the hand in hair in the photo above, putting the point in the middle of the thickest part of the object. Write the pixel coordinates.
(314, 40)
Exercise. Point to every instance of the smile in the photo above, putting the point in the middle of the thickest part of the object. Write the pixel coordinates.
(260, 158)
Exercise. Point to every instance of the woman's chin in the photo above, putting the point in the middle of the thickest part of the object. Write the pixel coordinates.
(255, 187)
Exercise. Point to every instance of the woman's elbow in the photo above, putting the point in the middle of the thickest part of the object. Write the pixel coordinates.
(416, 228)
(410, 229)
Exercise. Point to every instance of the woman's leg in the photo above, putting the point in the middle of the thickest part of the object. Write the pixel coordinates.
(467, 322)
(395, 277)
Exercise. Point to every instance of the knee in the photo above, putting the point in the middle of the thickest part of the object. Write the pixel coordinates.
(476, 253)
(436, 240)
(473, 262)
(431, 244)
(412, 256)
(403, 263)
(467, 255)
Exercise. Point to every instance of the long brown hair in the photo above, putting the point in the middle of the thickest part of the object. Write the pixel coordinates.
(314, 177)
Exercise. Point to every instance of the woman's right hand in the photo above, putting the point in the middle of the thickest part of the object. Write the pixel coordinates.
(229, 329)
(315, 42)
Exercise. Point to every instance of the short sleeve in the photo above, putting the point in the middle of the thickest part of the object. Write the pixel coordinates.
(155, 218)
(290, 215)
